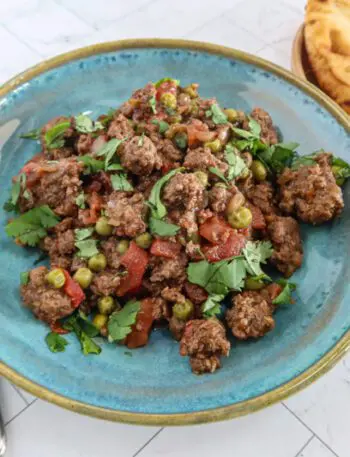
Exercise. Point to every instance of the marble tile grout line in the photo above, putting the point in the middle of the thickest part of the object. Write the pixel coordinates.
(22, 41)
(310, 429)
(305, 445)
(22, 396)
(19, 413)
(138, 452)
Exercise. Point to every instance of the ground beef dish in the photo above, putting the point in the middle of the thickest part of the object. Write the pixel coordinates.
(154, 213)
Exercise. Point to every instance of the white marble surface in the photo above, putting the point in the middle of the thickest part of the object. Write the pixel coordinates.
(314, 423)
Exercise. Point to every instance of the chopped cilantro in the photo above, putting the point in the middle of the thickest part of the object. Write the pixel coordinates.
(31, 135)
(285, 297)
(84, 124)
(74, 324)
(153, 103)
(82, 234)
(91, 165)
(236, 164)
(120, 322)
(31, 226)
(108, 151)
(120, 182)
(211, 307)
(80, 201)
(162, 228)
(24, 278)
(87, 248)
(162, 125)
(255, 253)
(54, 137)
(216, 114)
(55, 342)
(157, 207)
(219, 174)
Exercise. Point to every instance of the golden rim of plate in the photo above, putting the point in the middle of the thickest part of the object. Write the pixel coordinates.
(214, 414)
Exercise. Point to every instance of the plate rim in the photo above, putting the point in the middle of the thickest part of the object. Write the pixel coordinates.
(208, 415)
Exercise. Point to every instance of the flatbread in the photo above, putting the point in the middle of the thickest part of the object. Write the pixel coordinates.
(327, 39)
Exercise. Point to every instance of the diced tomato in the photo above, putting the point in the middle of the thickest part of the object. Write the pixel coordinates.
(135, 260)
(141, 330)
(258, 222)
(90, 216)
(33, 170)
(198, 132)
(73, 290)
(163, 248)
(232, 247)
(215, 230)
(56, 327)
(166, 86)
(274, 290)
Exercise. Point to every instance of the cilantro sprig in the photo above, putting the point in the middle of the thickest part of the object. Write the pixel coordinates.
(84, 124)
(87, 246)
(236, 164)
(31, 135)
(212, 306)
(162, 125)
(285, 297)
(32, 226)
(55, 342)
(120, 322)
(216, 114)
(54, 137)
(85, 331)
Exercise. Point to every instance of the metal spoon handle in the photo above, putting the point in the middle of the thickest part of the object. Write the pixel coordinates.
(2, 437)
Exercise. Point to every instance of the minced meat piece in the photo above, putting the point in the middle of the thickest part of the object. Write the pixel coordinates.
(195, 293)
(140, 156)
(146, 183)
(163, 269)
(78, 262)
(60, 247)
(311, 192)
(284, 234)
(176, 327)
(120, 128)
(193, 250)
(268, 131)
(262, 195)
(105, 283)
(251, 315)
(173, 295)
(218, 198)
(202, 159)
(125, 212)
(201, 363)
(161, 309)
(204, 338)
(47, 303)
(110, 250)
(84, 143)
(168, 151)
(54, 184)
(184, 191)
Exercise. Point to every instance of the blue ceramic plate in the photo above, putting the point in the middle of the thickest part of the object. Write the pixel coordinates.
(155, 385)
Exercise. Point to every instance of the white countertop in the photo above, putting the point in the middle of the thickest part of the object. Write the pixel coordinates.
(314, 423)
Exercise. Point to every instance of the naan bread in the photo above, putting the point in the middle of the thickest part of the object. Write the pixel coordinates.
(327, 38)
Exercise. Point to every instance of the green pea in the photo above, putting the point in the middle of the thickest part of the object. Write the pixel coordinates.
(144, 240)
(168, 100)
(231, 114)
(122, 246)
(106, 305)
(97, 262)
(253, 284)
(214, 146)
(102, 227)
(181, 140)
(242, 218)
(183, 311)
(202, 177)
(83, 276)
(99, 321)
(259, 171)
(56, 278)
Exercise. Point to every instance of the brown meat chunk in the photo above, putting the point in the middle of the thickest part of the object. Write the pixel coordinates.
(110, 250)
(105, 283)
(125, 212)
(262, 196)
(84, 143)
(268, 131)
(120, 128)
(251, 315)
(202, 159)
(173, 295)
(285, 237)
(164, 269)
(60, 248)
(168, 151)
(140, 156)
(311, 192)
(161, 309)
(195, 293)
(48, 304)
(54, 184)
(176, 327)
(146, 183)
(218, 198)
(204, 339)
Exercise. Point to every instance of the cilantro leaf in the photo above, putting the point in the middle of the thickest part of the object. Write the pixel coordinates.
(162, 125)
(162, 228)
(87, 248)
(163, 80)
(31, 226)
(20, 183)
(157, 208)
(91, 165)
(216, 114)
(31, 135)
(74, 324)
(54, 137)
(211, 307)
(107, 117)
(340, 169)
(109, 149)
(55, 342)
(255, 127)
(153, 103)
(120, 182)
(285, 297)
(82, 234)
(120, 322)
(24, 278)
(84, 124)
(236, 164)
(86, 325)
(141, 140)
(220, 277)
(256, 253)
(281, 155)
(80, 201)
(219, 174)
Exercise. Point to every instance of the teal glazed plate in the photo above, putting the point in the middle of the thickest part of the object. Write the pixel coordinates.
(155, 385)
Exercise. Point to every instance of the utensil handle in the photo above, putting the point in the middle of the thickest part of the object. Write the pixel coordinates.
(2, 437)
